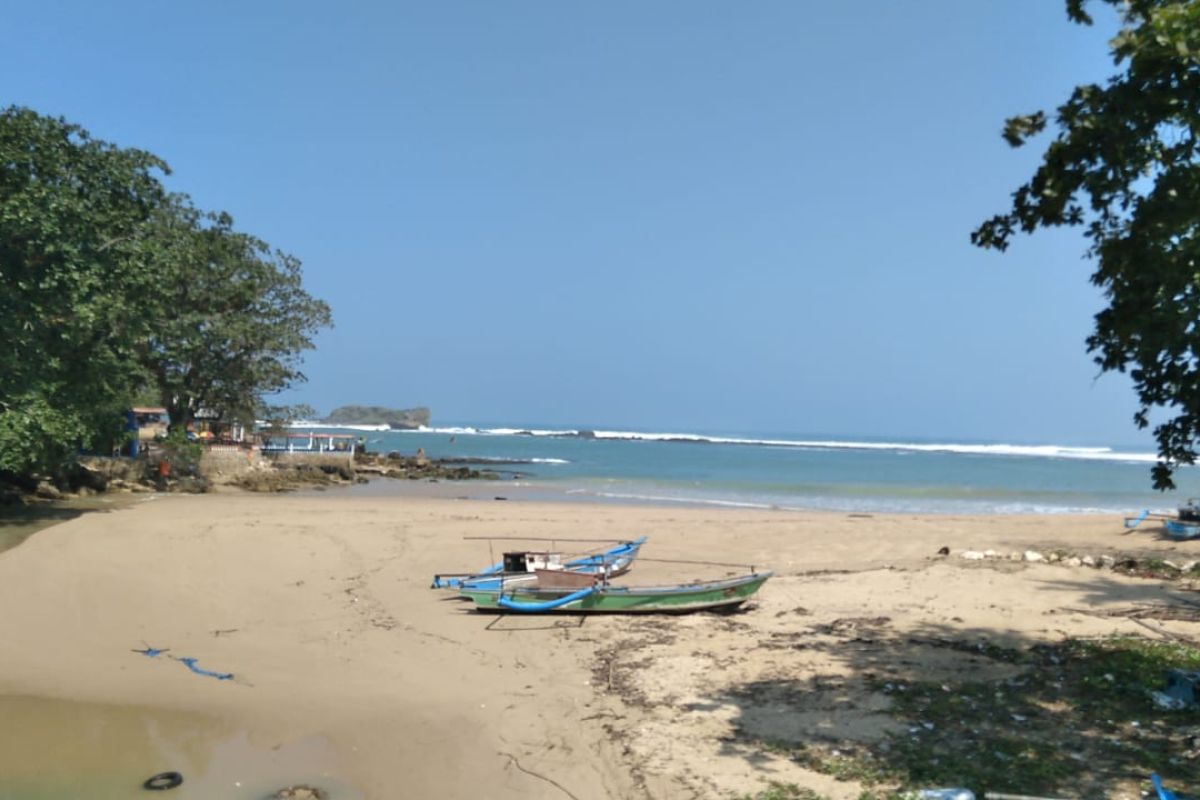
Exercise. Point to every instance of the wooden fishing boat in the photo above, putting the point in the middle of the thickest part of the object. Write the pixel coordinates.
(1178, 529)
(603, 598)
(520, 567)
(1190, 511)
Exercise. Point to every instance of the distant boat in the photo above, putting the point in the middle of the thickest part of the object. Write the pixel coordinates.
(1182, 530)
(521, 567)
(602, 598)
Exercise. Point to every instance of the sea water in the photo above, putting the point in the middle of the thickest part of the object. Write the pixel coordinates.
(781, 470)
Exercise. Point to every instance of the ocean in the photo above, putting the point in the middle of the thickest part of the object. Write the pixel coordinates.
(790, 471)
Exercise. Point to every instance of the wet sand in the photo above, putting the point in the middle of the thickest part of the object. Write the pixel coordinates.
(320, 608)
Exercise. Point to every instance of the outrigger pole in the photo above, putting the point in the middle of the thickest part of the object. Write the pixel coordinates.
(536, 539)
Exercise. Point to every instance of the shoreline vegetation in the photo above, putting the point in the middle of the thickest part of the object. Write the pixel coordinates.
(890, 652)
(98, 476)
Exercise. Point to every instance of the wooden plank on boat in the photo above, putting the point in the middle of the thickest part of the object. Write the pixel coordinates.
(563, 579)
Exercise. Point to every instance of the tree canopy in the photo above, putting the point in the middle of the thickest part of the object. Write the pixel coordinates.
(1124, 164)
(110, 286)
(232, 316)
(74, 212)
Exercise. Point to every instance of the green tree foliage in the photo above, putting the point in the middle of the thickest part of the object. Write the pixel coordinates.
(1124, 164)
(74, 213)
(111, 288)
(231, 317)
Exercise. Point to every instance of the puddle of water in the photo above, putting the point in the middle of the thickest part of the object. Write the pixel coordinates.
(61, 750)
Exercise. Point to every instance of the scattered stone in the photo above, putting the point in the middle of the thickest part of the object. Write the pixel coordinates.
(943, 551)
(1088, 561)
(1188, 566)
(1033, 555)
(47, 491)
(990, 553)
(1073, 561)
(1054, 557)
(972, 555)
(1108, 562)
(300, 793)
(1014, 556)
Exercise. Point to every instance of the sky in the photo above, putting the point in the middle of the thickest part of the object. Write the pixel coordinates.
(675, 215)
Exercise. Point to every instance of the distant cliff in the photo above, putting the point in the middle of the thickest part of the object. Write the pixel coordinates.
(378, 415)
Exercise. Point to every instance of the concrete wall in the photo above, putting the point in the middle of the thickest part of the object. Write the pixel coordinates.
(341, 461)
(222, 462)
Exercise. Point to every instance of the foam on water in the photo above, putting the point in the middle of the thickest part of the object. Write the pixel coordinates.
(1017, 450)
(788, 471)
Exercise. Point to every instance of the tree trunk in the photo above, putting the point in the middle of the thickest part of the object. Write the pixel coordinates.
(180, 415)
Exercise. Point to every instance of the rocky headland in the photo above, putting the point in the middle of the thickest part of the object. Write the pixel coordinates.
(398, 418)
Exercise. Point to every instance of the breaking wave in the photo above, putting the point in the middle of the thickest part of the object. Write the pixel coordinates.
(1016, 450)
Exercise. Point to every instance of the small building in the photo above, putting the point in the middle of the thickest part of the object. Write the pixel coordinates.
(146, 423)
(327, 451)
(210, 427)
(342, 443)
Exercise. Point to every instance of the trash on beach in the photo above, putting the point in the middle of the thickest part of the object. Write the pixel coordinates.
(190, 663)
(1163, 792)
(1181, 691)
(163, 781)
(151, 652)
(955, 793)
(300, 793)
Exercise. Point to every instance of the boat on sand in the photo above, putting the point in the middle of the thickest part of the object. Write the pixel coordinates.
(600, 597)
(1182, 530)
(520, 567)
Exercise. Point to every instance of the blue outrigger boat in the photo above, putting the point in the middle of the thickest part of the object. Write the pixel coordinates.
(599, 597)
(520, 567)
(1182, 530)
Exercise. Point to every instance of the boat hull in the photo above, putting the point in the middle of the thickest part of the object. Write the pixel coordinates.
(680, 599)
(1182, 530)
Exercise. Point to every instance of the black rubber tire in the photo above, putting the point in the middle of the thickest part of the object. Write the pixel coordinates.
(163, 781)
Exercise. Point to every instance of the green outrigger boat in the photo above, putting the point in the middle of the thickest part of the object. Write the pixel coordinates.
(601, 598)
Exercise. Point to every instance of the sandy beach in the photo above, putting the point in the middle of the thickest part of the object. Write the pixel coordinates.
(349, 672)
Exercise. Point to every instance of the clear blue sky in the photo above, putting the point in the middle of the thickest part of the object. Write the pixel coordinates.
(680, 215)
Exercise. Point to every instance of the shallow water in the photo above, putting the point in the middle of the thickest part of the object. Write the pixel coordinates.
(64, 750)
(804, 472)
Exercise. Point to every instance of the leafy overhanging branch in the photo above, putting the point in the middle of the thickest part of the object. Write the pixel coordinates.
(1124, 164)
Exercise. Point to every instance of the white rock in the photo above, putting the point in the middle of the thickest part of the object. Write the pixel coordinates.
(1053, 557)
(1073, 561)
(1014, 556)
(1171, 564)
(1034, 555)
(990, 553)
(1108, 561)
(1187, 566)
(972, 555)
(1088, 561)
